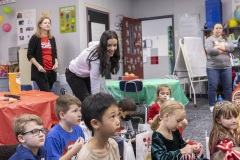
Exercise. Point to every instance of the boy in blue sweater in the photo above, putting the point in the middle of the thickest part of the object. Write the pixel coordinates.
(30, 133)
(65, 139)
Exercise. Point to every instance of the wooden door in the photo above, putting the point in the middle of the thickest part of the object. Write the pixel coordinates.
(132, 46)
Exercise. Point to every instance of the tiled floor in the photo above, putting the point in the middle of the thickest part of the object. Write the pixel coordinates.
(199, 121)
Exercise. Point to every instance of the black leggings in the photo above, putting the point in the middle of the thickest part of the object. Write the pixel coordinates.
(48, 84)
(81, 87)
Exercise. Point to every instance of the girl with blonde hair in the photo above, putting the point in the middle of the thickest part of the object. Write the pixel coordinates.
(163, 94)
(167, 142)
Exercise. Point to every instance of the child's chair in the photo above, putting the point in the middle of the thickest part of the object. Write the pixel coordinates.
(26, 87)
(131, 86)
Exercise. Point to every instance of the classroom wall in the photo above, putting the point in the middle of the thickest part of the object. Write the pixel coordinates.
(69, 45)
(170, 7)
(154, 8)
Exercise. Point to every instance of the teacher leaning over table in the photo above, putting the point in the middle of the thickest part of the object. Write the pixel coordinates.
(85, 74)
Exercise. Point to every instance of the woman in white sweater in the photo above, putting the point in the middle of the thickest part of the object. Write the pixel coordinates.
(86, 73)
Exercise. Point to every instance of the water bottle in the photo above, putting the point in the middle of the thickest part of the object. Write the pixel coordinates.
(219, 98)
(205, 26)
(63, 91)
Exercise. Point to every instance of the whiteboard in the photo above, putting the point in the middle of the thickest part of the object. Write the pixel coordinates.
(192, 54)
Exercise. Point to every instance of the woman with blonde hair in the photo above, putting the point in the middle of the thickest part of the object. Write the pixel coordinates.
(42, 53)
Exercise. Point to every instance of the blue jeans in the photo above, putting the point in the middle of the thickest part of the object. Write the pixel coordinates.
(225, 77)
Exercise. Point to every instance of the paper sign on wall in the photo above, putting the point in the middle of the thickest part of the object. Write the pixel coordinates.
(45, 14)
(26, 24)
(67, 19)
(97, 30)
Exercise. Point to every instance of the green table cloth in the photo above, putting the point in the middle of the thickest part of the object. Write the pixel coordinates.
(148, 93)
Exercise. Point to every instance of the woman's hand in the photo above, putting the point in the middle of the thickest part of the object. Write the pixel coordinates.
(55, 67)
(220, 47)
(41, 69)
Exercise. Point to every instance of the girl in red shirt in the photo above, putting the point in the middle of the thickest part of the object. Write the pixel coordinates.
(162, 95)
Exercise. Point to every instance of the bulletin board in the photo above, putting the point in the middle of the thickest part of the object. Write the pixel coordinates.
(26, 25)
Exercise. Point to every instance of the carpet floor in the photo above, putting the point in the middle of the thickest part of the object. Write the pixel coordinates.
(199, 122)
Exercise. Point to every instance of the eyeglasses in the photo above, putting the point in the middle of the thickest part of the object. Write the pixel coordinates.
(36, 132)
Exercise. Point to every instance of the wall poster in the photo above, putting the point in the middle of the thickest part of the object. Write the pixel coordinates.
(97, 30)
(189, 25)
(67, 19)
(26, 24)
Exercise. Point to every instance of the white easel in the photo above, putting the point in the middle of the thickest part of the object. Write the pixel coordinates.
(191, 62)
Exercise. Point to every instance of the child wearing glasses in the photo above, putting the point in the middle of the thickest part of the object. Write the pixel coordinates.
(65, 139)
(100, 114)
(225, 125)
(29, 131)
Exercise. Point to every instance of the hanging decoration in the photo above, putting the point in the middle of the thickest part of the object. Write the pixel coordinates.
(7, 10)
(170, 47)
(1, 19)
(6, 27)
(26, 20)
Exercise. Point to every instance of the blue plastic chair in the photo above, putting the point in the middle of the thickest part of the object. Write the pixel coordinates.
(26, 87)
(135, 86)
(131, 86)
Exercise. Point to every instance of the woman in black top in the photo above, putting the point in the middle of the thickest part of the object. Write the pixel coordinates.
(42, 53)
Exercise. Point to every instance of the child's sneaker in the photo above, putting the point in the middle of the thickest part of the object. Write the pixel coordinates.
(211, 108)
